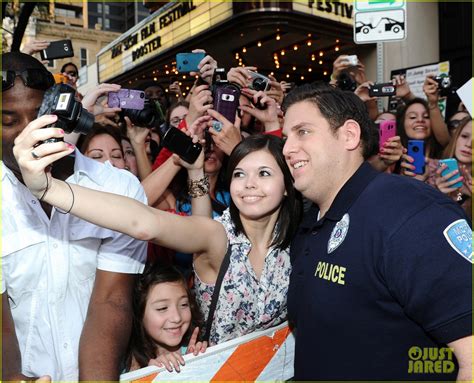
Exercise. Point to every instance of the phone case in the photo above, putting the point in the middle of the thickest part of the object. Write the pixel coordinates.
(452, 165)
(387, 129)
(416, 149)
(182, 145)
(127, 99)
(188, 62)
(57, 49)
(382, 90)
(226, 101)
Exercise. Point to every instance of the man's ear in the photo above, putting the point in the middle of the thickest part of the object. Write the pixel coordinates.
(350, 132)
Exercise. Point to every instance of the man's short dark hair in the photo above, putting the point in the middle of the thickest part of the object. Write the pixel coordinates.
(20, 61)
(337, 106)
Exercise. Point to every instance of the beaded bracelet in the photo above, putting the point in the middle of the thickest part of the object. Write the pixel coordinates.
(198, 188)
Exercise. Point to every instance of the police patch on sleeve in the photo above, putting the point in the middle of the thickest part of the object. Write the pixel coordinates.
(459, 236)
(338, 233)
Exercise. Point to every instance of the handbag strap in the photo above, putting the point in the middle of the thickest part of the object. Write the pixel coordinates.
(215, 295)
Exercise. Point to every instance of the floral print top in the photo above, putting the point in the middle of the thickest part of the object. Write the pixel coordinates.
(246, 304)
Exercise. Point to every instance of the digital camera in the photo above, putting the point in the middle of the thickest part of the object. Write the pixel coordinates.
(259, 82)
(346, 82)
(150, 116)
(61, 101)
(444, 84)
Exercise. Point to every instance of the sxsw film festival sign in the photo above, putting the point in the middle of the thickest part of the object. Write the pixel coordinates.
(164, 29)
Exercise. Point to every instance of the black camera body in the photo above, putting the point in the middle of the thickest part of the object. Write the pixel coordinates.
(382, 90)
(259, 82)
(151, 116)
(445, 84)
(61, 101)
(346, 82)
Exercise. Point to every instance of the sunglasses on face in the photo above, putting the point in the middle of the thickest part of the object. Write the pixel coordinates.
(453, 124)
(32, 78)
(72, 73)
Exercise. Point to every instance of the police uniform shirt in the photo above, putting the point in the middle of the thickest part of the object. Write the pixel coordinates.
(381, 282)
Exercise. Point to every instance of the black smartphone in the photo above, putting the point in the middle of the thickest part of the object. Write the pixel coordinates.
(181, 144)
(57, 50)
(382, 90)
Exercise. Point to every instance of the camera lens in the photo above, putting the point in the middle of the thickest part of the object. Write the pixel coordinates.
(258, 84)
(416, 149)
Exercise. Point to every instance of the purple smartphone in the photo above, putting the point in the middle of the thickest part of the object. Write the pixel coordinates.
(127, 99)
(226, 101)
(387, 129)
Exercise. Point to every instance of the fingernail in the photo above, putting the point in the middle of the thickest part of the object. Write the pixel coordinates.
(70, 146)
(60, 131)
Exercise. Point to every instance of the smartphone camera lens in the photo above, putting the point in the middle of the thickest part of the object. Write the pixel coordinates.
(416, 149)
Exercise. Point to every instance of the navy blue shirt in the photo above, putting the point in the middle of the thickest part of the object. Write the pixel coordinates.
(376, 286)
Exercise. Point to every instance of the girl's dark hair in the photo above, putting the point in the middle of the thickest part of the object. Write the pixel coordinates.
(111, 131)
(63, 68)
(434, 149)
(291, 206)
(142, 347)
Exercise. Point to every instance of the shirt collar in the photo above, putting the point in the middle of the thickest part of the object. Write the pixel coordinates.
(7, 173)
(94, 170)
(346, 196)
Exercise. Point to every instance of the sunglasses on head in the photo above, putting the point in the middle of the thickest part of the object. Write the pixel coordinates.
(453, 124)
(32, 78)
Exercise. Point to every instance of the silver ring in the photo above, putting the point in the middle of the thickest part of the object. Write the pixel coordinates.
(34, 155)
(217, 126)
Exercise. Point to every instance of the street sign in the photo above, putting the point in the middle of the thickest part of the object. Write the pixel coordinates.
(379, 26)
(379, 5)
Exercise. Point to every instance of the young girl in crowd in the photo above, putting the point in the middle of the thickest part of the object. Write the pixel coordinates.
(413, 123)
(251, 239)
(460, 148)
(166, 319)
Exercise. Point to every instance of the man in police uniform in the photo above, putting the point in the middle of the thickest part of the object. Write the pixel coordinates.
(381, 279)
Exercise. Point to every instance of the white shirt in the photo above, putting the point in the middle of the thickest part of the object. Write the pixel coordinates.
(49, 266)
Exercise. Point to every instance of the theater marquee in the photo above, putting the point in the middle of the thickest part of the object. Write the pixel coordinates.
(161, 31)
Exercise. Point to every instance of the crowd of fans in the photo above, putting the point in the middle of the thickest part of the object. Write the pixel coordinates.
(226, 245)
